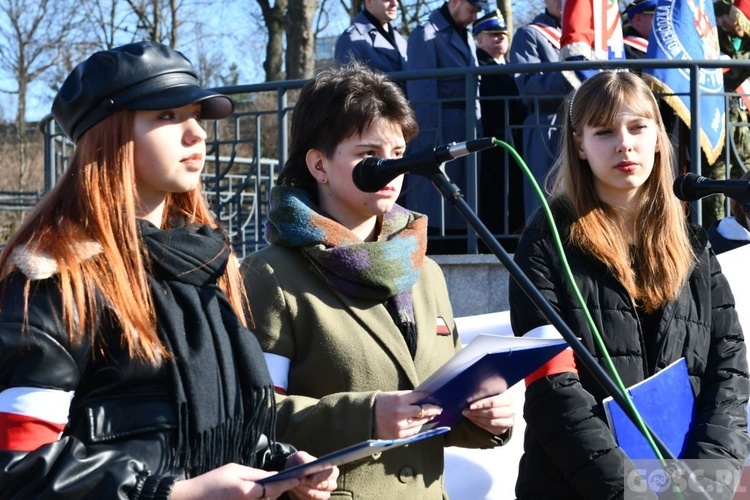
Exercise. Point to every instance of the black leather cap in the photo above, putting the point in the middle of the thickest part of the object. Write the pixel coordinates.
(144, 75)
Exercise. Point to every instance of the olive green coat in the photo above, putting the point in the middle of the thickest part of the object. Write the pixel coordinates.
(343, 351)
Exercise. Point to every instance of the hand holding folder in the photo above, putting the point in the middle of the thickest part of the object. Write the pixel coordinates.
(487, 366)
(351, 453)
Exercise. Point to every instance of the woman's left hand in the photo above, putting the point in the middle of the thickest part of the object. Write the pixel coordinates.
(494, 414)
(316, 486)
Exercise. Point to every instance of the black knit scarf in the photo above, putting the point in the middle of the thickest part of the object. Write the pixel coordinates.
(223, 391)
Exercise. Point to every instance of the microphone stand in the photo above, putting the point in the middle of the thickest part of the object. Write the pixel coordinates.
(452, 194)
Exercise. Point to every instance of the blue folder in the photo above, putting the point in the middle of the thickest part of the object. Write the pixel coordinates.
(666, 403)
(488, 365)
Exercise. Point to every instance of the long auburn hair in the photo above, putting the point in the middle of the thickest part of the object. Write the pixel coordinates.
(664, 255)
(95, 201)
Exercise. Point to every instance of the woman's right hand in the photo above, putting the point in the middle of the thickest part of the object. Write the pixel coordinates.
(397, 414)
(231, 481)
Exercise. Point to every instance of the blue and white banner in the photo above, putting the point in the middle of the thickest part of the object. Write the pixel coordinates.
(686, 30)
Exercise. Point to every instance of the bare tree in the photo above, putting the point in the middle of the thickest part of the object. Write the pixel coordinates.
(34, 34)
(110, 23)
(353, 8)
(323, 19)
(293, 26)
(115, 22)
(506, 8)
(275, 18)
(159, 19)
(209, 69)
(300, 39)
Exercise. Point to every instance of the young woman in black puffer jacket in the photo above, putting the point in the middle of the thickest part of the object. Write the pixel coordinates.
(654, 289)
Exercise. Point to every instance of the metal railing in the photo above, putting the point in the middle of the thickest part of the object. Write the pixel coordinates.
(246, 150)
(19, 200)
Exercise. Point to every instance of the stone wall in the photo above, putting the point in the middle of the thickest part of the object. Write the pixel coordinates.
(477, 283)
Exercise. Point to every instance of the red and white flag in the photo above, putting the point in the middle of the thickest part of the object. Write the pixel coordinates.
(591, 31)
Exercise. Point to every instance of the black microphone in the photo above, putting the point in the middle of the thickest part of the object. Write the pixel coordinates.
(373, 174)
(691, 187)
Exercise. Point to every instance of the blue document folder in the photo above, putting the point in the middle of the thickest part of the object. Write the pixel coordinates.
(487, 366)
(351, 453)
(666, 403)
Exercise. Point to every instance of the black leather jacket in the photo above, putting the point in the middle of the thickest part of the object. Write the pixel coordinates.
(121, 418)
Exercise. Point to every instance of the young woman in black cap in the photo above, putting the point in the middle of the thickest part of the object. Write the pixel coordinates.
(126, 370)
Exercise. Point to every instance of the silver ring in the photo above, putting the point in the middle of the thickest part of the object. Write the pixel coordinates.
(263, 493)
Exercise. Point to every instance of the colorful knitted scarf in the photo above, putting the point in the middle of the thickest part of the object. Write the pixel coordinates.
(383, 270)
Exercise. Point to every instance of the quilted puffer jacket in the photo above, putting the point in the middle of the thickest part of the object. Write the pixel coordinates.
(569, 450)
